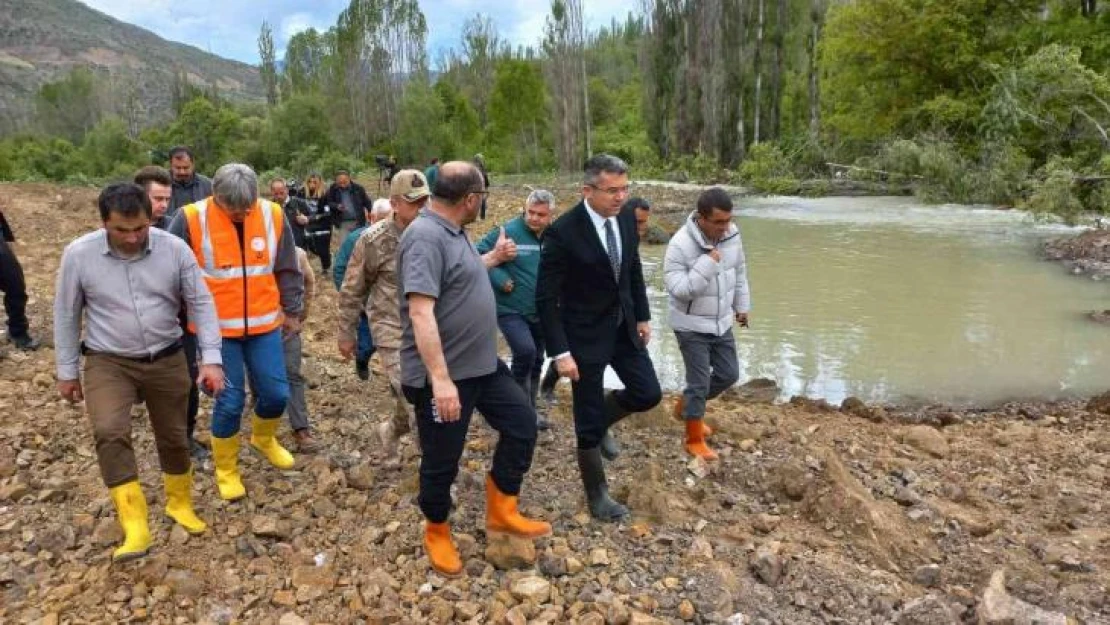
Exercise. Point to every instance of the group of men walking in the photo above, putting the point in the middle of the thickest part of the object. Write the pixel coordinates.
(572, 286)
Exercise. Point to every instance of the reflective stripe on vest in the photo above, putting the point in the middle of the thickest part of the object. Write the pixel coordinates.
(237, 323)
(247, 297)
(208, 263)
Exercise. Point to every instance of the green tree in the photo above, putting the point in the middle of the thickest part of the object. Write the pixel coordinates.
(518, 109)
(901, 67)
(268, 67)
(210, 130)
(69, 107)
(421, 130)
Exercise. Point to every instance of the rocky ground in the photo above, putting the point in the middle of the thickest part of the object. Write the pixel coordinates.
(1087, 254)
(814, 514)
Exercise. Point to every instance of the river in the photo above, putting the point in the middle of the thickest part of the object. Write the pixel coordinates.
(891, 300)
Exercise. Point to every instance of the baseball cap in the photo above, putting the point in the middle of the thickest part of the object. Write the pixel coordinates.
(409, 184)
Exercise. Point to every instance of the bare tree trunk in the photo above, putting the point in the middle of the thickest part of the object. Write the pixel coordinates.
(816, 16)
(776, 78)
(758, 76)
(585, 88)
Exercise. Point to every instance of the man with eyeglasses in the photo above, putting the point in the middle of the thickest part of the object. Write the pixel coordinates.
(594, 309)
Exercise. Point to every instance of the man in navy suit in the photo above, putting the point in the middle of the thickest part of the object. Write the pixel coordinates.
(594, 310)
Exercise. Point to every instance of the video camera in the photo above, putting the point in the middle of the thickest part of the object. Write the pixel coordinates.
(382, 160)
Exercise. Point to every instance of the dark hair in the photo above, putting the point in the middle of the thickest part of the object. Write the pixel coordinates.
(599, 163)
(125, 198)
(178, 150)
(342, 172)
(153, 174)
(714, 199)
(635, 203)
(454, 183)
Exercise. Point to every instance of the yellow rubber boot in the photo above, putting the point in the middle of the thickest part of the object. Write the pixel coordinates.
(264, 440)
(131, 508)
(225, 453)
(441, 550)
(179, 502)
(503, 516)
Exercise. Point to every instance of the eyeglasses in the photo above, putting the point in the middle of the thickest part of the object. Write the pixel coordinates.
(612, 191)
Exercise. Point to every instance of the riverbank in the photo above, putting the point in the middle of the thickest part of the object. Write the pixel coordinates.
(814, 514)
(1086, 254)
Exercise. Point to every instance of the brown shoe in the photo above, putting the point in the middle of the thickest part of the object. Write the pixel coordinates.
(305, 443)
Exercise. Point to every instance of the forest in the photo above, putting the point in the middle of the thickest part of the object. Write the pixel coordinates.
(967, 101)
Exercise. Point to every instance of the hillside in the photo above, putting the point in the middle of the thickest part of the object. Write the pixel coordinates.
(42, 40)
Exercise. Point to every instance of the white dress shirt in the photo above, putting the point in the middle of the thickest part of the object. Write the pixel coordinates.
(599, 226)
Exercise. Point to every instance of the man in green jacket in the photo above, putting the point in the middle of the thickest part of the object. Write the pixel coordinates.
(514, 284)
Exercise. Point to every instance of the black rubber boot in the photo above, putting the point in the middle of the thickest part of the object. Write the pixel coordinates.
(610, 448)
(602, 506)
(550, 379)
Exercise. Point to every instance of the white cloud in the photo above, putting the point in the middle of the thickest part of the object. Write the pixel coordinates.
(230, 27)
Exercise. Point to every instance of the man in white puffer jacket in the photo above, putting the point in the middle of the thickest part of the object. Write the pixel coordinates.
(707, 285)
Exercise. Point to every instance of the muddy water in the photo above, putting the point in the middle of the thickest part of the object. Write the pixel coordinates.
(890, 300)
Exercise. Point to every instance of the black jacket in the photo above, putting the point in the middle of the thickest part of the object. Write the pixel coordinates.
(186, 193)
(6, 234)
(576, 295)
(320, 218)
(296, 206)
(334, 200)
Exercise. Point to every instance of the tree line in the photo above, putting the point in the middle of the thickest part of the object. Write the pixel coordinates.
(972, 100)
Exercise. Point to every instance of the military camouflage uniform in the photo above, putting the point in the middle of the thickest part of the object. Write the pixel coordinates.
(371, 282)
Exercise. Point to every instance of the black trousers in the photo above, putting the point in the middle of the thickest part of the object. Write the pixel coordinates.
(505, 407)
(319, 243)
(15, 292)
(641, 389)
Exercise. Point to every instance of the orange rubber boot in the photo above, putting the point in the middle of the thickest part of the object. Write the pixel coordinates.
(441, 549)
(502, 515)
(695, 441)
(677, 414)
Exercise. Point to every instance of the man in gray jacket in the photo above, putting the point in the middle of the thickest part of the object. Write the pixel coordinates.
(707, 287)
(189, 187)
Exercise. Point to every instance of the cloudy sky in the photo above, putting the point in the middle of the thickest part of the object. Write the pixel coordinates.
(229, 28)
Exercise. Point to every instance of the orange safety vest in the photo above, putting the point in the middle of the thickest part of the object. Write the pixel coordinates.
(240, 277)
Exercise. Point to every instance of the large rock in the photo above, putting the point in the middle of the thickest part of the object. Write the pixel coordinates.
(184, 583)
(926, 439)
(1100, 403)
(999, 608)
(508, 552)
(767, 563)
(758, 391)
(534, 589)
(269, 527)
(361, 476)
(314, 576)
(927, 610)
